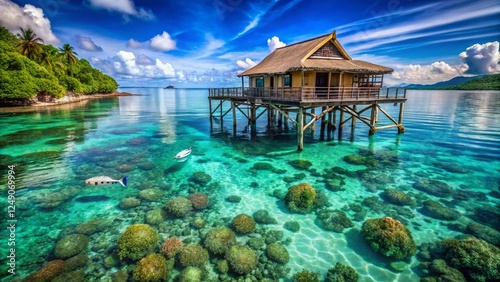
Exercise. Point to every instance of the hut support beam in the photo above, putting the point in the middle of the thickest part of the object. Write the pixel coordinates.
(300, 130)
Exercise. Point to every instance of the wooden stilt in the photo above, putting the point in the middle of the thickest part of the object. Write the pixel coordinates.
(253, 119)
(329, 127)
(300, 131)
(285, 121)
(401, 128)
(373, 120)
(323, 125)
(313, 126)
(233, 106)
(353, 117)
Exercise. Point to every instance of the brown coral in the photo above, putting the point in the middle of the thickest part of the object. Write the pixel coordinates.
(171, 247)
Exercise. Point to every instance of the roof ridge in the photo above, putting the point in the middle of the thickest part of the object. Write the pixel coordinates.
(311, 39)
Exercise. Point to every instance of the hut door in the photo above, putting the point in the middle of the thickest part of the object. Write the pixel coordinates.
(321, 84)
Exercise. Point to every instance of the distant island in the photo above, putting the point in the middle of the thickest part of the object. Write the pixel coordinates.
(32, 72)
(486, 82)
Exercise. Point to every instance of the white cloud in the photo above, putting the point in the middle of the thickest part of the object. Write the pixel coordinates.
(481, 58)
(181, 76)
(14, 17)
(162, 42)
(144, 60)
(126, 64)
(87, 44)
(134, 44)
(425, 74)
(126, 7)
(274, 42)
(244, 65)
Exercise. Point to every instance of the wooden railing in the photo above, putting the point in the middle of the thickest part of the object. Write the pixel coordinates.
(310, 93)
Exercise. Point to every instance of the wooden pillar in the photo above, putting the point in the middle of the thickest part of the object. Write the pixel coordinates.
(354, 107)
(329, 127)
(372, 120)
(211, 116)
(253, 119)
(313, 126)
(300, 131)
(285, 121)
(233, 105)
(322, 128)
(341, 123)
(401, 128)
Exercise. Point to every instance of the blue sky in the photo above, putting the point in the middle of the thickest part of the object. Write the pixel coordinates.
(207, 43)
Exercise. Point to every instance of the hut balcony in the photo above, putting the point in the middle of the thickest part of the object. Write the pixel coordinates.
(342, 95)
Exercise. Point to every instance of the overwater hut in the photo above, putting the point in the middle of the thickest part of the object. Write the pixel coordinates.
(315, 73)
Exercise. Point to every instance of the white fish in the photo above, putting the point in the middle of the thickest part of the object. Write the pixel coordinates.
(105, 180)
(183, 153)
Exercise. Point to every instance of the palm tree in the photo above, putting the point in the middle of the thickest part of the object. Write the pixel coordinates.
(29, 44)
(49, 59)
(68, 54)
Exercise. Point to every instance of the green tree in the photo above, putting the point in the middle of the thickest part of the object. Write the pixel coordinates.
(29, 44)
(50, 60)
(68, 54)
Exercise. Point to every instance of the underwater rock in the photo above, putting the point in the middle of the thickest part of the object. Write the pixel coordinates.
(70, 245)
(376, 180)
(146, 165)
(193, 255)
(48, 272)
(73, 276)
(129, 203)
(242, 259)
(359, 160)
(200, 178)
(243, 223)
(433, 187)
(263, 166)
(300, 164)
(93, 226)
(273, 236)
(334, 220)
(375, 204)
(321, 200)
(437, 210)
(263, 217)
(199, 200)
(76, 262)
(151, 268)
(171, 247)
(341, 273)
(484, 232)
(48, 200)
(279, 194)
(278, 253)
(152, 195)
(488, 215)
(137, 241)
(389, 237)
(293, 226)
(440, 271)
(450, 167)
(398, 266)
(334, 185)
(179, 207)
(306, 276)
(219, 239)
(256, 243)
(300, 198)
(397, 197)
(156, 216)
(123, 168)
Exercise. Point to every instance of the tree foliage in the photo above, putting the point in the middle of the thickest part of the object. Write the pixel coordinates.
(29, 69)
(487, 82)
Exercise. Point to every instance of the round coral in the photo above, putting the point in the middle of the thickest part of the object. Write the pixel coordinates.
(71, 245)
(171, 247)
(151, 268)
(137, 241)
(243, 223)
(219, 239)
(300, 198)
(242, 259)
(179, 207)
(192, 274)
(199, 200)
(278, 253)
(341, 272)
(389, 237)
(193, 255)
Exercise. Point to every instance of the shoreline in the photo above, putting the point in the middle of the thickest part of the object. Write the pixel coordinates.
(68, 100)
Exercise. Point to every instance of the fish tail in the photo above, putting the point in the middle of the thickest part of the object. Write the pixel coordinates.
(123, 181)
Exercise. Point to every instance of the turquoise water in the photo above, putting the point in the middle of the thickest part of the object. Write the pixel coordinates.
(451, 136)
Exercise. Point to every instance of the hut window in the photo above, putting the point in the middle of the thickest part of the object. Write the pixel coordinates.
(287, 80)
(259, 82)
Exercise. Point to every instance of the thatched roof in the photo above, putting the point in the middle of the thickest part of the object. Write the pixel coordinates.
(303, 56)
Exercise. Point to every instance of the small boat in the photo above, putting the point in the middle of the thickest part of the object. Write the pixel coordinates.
(183, 154)
(170, 87)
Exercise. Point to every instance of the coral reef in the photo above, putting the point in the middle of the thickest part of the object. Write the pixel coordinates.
(93, 226)
(278, 253)
(242, 259)
(306, 276)
(243, 223)
(397, 197)
(70, 245)
(192, 274)
(128, 203)
(171, 247)
(341, 273)
(334, 220)
(200, 178)
(300, 198)
(219, 239)
(193, 255)
(433, 187)
(389, 237)
(137, 241)
(51, 270)
(292, 225)
(300, 164)
(437, 210)
(179, 207)
(151, 268)
(199, 200)
(152, 195)
(263, 217)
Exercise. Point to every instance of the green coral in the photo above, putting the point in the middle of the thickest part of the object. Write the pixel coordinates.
(300, 198)
(300, 164)
(306, 276)
(475, 258)
(151, 268)
(71, 245)
(193, 255)
(341, 273)
(292, 225)
(219, 239)
(242, 259)
(334, 220)
(397, 197)
(179, 207)
(192, 274)
(200, 178)
(278, 253)
(137, 241)
(222, 266)
(389, 237)
(437, 210)
(243, 223)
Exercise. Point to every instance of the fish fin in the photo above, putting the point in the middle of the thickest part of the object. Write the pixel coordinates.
(123, 181)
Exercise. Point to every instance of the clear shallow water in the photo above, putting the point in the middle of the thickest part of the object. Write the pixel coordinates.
(57, 149)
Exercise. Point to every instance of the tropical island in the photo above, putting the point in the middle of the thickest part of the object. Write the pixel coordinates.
(32, 72)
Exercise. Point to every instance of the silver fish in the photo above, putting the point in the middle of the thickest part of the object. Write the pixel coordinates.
(105, 180)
